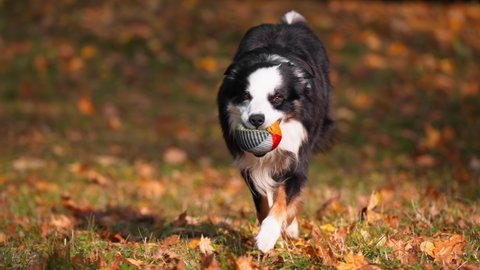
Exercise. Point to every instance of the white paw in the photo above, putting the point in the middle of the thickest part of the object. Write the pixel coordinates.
(269, 234)
(292, 230)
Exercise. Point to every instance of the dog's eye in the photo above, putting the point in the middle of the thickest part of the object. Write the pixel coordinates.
(277, 99)
(246, 96)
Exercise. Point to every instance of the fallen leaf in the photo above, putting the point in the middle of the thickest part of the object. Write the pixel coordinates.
(174, 156)
(397, 49)
(374, 201)
(403, 251)
(205, 245)
(450, 250)
(427, 247)
(324, 253)
(432, 137)
(61, 223)
(180, 265)
(193, 244)
(375, 61)
(327, 227)
(352, 262)
(244, 263)
(28, 163)
(209, 262)
(3, 238)
(208, 64)
(88, 51)
(85, 106)
(362, 101)
(129, 261)
(151, 188)
(425, 161)
(369, 212)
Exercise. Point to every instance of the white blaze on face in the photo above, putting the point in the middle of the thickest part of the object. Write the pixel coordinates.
(262, 84)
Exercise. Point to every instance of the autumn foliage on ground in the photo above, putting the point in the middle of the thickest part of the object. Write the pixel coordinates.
(111, 155)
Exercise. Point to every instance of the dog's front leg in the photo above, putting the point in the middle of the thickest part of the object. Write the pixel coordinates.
(272, 226)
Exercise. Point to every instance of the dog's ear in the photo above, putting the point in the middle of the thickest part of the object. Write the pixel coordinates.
(304, 75)
(301, 69)
(231, 72)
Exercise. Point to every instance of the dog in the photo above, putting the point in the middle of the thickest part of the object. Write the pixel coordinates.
(280, 72)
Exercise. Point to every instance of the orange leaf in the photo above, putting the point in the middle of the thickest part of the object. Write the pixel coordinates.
(352, 262)
(208, 64)
(85, 106)
(244, 263)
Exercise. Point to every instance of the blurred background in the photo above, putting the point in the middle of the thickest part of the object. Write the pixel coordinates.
(120, 96)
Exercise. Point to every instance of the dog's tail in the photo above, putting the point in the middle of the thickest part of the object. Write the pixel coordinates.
(293, 17)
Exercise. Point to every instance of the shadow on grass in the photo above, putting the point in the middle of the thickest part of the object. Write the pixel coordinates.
(125, 224)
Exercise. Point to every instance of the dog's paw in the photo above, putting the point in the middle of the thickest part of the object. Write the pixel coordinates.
(292, 230)
(269, 234)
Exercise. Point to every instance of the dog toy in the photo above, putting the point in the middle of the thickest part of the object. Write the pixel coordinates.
(258, 141)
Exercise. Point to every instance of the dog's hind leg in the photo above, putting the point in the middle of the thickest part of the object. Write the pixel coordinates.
(291, 228)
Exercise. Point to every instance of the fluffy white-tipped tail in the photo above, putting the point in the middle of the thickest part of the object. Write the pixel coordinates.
(293, 17)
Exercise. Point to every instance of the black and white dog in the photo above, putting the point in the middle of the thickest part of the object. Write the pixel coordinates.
(279, 73)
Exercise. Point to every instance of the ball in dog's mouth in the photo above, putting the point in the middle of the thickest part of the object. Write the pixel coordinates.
(258, 141)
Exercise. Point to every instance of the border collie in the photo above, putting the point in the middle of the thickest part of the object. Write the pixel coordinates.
(279, 73)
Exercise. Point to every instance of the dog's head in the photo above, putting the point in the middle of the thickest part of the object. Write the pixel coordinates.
(265, 92)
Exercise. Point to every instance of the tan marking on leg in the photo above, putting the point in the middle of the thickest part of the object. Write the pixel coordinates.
(279, 208)
(293, 207)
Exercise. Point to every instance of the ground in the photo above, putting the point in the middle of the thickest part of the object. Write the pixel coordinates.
(111, 155)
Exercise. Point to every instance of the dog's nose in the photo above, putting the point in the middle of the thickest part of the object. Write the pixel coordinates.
(256, 119)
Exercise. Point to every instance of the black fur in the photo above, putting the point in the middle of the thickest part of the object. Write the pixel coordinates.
(306, 90)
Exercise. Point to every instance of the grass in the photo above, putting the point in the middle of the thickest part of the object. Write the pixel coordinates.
(90, 109)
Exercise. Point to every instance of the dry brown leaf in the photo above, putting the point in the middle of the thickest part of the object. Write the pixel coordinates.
(3, 238)
(425, 161)
(374, 201)
(433, 137)
(144, 169)
(208, 64)
(374, 60)
(193, 244)
(352, 262)
(28, 163)
(83, 170)
(449, 251)
(205, 245)
(85, 106)
(151, 188)
(132, 262)
(244, 263)
(403, 251)
(180, 265)
(174, 156)
(324, 253)
(369, 212)
(327, 228)
(362, 101)
(427, 247)
(61, 222)
(209, 262)
(397, 49)
(89, 51)
(46, 186)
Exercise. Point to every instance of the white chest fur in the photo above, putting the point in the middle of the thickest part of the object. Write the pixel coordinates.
(275, 162)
